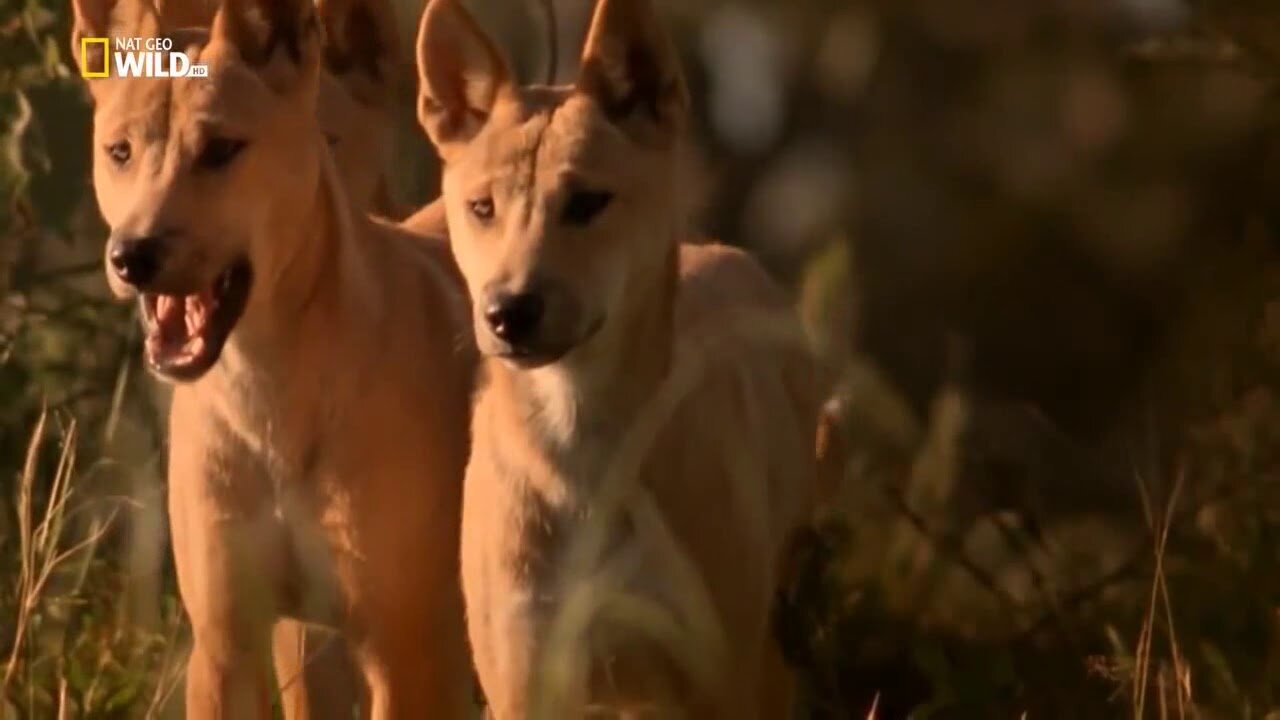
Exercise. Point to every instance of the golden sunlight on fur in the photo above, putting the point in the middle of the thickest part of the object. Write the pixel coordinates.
(321, 361)
(643, 443)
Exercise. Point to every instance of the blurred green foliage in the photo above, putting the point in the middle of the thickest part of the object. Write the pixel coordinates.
(65, 346)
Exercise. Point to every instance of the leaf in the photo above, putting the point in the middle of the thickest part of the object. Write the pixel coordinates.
(122, 698)
(1220, 672)
(15, 118)
(53, 58)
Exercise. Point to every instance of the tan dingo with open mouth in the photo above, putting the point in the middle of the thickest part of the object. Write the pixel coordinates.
(322, 362)
(358, 82)
(643, 443)
(354, 108)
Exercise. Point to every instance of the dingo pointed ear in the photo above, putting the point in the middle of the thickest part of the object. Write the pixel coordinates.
(360, 45)
(260, 30)
(460, 74)
(91, 19)
(102, 20)
(630, 67)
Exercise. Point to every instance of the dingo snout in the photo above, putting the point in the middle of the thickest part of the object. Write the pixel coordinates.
(532, 325)
(187, 319)
(136, 261)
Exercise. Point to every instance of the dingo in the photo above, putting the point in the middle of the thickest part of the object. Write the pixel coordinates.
(625, 519)
(360, 72)
(318, 431)
(355, 102)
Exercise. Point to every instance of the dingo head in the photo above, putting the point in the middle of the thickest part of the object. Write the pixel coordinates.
(205, 180)
(563, 203)
(361, 65)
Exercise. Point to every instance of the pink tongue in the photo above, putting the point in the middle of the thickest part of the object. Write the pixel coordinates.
(171, 319)
(180, 324)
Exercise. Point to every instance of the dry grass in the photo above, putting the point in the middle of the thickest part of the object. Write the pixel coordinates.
(1173, 675)
(45, 552)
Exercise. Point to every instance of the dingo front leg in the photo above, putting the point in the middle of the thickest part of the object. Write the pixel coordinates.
(412, 649)
(227, 549)
(407, 675)
(225, 685)
(315, 673)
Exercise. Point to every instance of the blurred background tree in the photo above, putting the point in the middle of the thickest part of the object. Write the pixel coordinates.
(1036, 240)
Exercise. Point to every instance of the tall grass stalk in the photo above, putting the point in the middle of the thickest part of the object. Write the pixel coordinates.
(1160, 607)
(596, 583)
(41, 547)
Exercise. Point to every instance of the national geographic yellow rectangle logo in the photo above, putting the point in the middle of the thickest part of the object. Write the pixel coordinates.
(85, 44)
(152, 57)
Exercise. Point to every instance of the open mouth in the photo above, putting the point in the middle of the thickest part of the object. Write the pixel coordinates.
(185, 333)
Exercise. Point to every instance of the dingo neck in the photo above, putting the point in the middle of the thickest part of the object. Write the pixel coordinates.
(319, 271)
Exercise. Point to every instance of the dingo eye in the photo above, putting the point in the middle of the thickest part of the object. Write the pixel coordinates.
(482, 208)
(584, 206)
(120, 152)
(218, 152)
(331, 139)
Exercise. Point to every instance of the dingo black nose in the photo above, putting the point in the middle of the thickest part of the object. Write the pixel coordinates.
(515, 318)
(136, 261)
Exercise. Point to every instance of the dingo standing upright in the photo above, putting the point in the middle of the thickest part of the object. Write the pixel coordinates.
(354, 105)
(566, 209)
(323, 369)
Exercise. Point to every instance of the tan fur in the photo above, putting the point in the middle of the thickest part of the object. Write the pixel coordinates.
(315, 467)
(641, 460)
(429, 219)
(314, 667)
